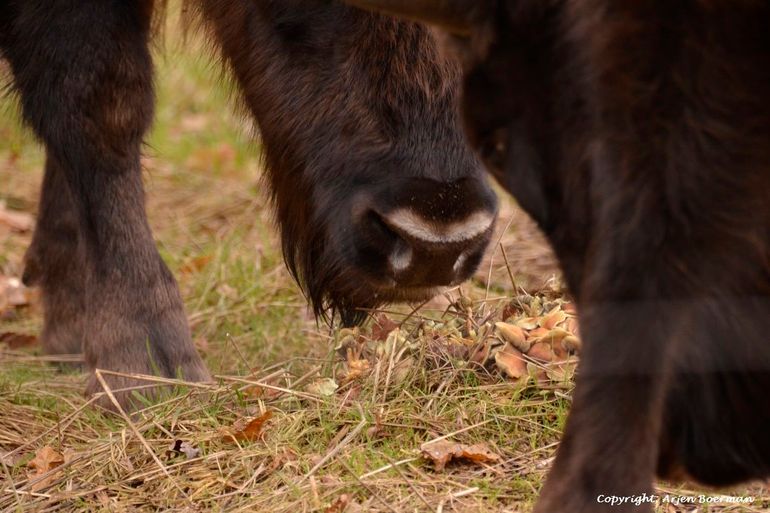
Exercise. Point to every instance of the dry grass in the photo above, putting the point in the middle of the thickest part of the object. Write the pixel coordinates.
(356, 448)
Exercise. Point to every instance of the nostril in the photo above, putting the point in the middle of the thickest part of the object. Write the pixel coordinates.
(380, 228)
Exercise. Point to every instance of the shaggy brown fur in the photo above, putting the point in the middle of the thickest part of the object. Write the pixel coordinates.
(637, 134)
(358, 117)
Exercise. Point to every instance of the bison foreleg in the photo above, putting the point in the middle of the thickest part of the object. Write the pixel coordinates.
(83, 72)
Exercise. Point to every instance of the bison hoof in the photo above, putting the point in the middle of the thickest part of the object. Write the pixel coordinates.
(131, 386)
(132, 351)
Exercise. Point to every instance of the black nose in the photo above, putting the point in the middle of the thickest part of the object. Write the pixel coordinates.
(425, 233)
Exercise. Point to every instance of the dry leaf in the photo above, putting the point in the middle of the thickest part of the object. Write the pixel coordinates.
(45, 460)
(324, 387)
(553, 318)
(250, 432)
(573, 326)
(536, 334)
(340, 505)
(541, 351)
(377, 429)
(441, 453)
(195, 265)
(282, 459)
(509, 311)
(571, 344)
(511, 362)
(513, 335)
(382, 327)
(561, 372)
(527, 323)
(555, 336)
(104, 499)
(182, 447)
(356, 368)
(480, 354)
(17, 340)
(537, 374)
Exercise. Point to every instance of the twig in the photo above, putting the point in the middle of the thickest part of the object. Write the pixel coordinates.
(463, 430)
(407, 481)
(333, 452)
(387, 467)
(271, 387)
(372, 492)
(142, 440)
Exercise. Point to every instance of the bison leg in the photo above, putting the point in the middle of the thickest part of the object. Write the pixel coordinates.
(54, 261)
(609, 451)
(83, 72)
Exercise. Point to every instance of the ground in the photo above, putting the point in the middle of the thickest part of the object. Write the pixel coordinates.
(301, 417)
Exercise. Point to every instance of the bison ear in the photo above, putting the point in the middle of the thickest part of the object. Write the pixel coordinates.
(456, 16)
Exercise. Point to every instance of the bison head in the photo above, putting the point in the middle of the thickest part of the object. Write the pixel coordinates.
(378, 197)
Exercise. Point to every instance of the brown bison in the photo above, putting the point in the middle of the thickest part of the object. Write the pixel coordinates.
(378, 196)
(637, 134)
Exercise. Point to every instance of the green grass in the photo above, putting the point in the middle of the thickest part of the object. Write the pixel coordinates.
(249, 320)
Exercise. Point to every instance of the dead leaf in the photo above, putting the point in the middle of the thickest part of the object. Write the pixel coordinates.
(340, 505)
(356, 368)
(573, 326)
(45, 460)
(250, 432)
(183, 447)
(195, 265)
(527, 323)
(282, 459)
(571, 344)
(377, 430)
(513, 335)
(553, 318)
(17, 340)
(541, 351)
(555, 336)
(536, 334)
(325, 387)
(480, 354)
(537, 374)
(561, 372)
(511, 362)
(382, 327)
(509, 311)
(441, 453)
(103, 498)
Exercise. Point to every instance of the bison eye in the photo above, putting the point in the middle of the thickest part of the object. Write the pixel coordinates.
(494, 149)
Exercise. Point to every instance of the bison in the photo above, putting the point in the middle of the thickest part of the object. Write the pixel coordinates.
(637, 135)
(377, 196)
